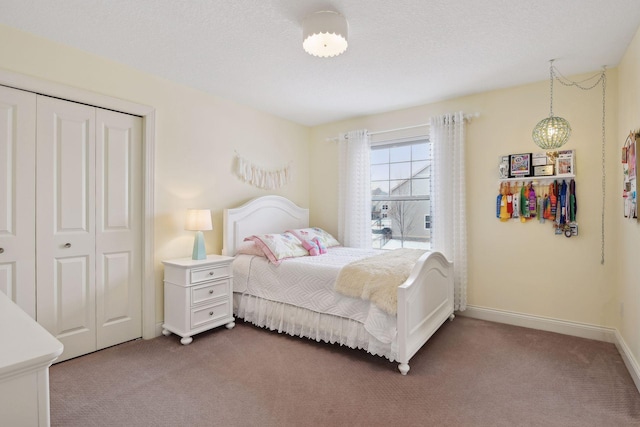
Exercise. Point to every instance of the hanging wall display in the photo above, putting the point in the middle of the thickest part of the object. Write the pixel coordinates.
(267, 179)
(630, 172)
(540, 187)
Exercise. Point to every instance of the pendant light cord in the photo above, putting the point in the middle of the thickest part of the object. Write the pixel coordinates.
(602, 78)
(551, 87)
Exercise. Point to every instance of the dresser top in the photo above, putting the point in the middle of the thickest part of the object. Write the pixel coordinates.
(189, 263)
(25, 344)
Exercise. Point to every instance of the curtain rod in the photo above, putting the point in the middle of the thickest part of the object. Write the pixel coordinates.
(466, 117)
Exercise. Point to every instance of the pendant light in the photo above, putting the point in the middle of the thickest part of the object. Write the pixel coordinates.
(552, 132)
(324, 34)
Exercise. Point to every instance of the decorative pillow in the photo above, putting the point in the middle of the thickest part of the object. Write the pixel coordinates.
(315, 233)
(249, 247)
(277, 247)
(322, 248)
(311, 246)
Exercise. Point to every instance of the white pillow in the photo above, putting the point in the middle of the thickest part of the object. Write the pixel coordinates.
(277, 247)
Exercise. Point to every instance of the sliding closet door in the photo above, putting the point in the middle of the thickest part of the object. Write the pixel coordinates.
(65, 238)
(17, 197)
(118, 227)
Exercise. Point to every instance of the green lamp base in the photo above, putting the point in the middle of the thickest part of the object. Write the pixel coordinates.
(198, 247)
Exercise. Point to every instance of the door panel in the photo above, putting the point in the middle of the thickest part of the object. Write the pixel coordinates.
(73, 308)
(66, 223)
(17, 197)
(118, 227)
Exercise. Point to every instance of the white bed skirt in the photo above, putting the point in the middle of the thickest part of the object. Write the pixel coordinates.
(297, 321)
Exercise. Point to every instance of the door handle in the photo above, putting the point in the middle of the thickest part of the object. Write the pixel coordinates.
(1, 250)
(67, 245)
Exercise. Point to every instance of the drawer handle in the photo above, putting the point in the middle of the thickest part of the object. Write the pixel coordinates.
(67, 245)
(211, 273)
(211, 313)
(1, 250)
(210, 291)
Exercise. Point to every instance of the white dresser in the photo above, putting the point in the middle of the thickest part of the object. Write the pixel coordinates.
(197, 296)
(26, 352)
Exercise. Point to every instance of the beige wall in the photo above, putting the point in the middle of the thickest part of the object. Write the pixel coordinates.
(196, 135)
(628, 231)
(516, 267)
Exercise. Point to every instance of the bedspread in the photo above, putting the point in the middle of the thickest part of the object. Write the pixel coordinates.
(308, 282)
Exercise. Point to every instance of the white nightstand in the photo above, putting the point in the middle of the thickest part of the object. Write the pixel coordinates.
(197, 296)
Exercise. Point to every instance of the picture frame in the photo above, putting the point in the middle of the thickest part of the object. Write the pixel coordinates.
(539, 159)
(546, 170)
(503, 167)
(519, 165)
(565, 165)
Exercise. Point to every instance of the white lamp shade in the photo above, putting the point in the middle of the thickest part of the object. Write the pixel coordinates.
(198, 220)
(324, 34)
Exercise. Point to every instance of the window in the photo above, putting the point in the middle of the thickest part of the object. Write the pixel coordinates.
(400, 194)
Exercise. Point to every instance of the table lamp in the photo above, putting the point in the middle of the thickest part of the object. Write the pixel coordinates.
(198, 220)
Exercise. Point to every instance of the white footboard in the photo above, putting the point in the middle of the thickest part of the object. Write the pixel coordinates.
(425, 302)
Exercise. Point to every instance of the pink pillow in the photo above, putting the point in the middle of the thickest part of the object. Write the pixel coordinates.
(250, 248)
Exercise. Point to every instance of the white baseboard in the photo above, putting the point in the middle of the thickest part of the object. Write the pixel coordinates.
(158, 329)
(629, 360)
(576, 329)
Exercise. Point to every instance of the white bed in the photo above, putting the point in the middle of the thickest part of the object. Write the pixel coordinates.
(311, 309)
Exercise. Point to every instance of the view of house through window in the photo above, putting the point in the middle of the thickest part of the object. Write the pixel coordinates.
(400, 194)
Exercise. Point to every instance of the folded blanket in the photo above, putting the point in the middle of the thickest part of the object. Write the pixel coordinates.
(377, 278)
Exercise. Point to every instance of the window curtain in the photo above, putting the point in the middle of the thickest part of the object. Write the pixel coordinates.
(354, 192)
(449, 232)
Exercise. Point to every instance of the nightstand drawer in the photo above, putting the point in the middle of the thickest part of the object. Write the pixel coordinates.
(209, 291)
(212, 313)
(210, 273)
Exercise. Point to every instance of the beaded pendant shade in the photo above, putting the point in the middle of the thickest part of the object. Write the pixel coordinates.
(324, 34)
(552, 132)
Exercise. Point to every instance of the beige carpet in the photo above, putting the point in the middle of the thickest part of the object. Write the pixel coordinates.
(471, 373)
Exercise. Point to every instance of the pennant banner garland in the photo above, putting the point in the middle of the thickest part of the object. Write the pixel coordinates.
(260, 177)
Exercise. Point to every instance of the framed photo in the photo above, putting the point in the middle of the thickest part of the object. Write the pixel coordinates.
(519, 165)
(630, 172)
(565, 165)
(503, 167)
(546, 170)
(539, 159)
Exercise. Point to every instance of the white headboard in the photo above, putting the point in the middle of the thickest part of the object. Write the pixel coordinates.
(267, 214)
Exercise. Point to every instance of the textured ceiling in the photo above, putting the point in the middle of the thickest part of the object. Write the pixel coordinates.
(401, 53)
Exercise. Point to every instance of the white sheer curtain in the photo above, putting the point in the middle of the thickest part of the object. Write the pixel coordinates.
(449, 231)
(354, 205)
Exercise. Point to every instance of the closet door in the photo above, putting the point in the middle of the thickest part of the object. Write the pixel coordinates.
(65, 237)
(17, 197)
(118, 227)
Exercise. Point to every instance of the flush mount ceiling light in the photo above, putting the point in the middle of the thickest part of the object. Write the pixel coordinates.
(324, 34)
(552, 132)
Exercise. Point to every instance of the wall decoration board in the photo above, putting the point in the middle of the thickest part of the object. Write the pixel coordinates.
(630, 172)
(539, 187)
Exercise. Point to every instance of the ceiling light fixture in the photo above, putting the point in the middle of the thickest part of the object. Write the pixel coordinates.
(552, 132)
(324, 34)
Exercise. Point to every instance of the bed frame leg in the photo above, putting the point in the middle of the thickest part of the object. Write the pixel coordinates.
(403, 368)
(453, 316)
